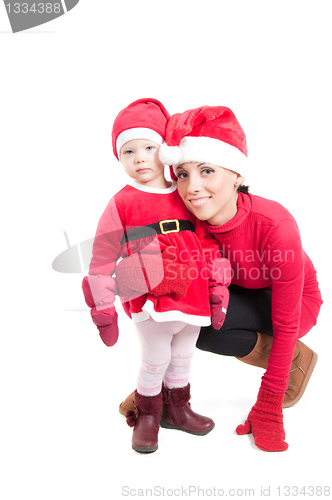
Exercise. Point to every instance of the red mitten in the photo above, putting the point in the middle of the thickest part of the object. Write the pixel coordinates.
(265, 422)
(131, 274)
(107, 323)
(219, 298)
(219, 272)
(176, 276)
(156, 274)
(99, 293)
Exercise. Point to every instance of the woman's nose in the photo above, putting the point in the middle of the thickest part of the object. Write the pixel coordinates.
(194, 185)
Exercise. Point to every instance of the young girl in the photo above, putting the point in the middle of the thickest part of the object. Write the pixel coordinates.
(148, 221)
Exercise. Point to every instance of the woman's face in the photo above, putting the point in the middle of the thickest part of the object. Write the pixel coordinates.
(208, 191)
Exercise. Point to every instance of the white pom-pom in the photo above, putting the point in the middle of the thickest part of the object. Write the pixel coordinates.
(169, 155)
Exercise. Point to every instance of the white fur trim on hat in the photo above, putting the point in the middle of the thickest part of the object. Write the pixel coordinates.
(137, 133)
(208, 150)
(169, 155)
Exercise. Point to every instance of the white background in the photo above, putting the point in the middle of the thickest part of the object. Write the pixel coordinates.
(62, 85)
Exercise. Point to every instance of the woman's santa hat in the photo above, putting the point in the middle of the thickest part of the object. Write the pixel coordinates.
(209, 134)
(142, 119)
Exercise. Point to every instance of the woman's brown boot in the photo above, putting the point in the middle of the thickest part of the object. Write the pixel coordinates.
(303, 364)
(127, 404)
(177, 413)
(145, 421)
(304, 361)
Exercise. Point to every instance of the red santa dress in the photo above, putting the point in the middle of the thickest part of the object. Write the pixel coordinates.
(136, 206)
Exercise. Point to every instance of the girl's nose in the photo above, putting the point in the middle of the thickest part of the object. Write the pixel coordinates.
(139, 158)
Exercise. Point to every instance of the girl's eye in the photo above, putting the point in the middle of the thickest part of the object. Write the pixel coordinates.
(128, 152)
(149, 148)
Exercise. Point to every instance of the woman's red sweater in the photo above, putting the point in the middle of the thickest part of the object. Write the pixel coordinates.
(263, 244)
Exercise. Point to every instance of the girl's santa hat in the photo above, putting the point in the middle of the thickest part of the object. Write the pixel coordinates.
(142, 119)
(209, 134)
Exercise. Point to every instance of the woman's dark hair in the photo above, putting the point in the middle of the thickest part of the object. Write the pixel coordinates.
(243, 189)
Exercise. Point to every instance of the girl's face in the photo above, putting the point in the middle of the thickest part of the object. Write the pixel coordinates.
(208, 191)
(140, 160)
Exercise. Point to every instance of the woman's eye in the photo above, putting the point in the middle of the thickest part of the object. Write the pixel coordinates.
(182, 175)
(207, 171)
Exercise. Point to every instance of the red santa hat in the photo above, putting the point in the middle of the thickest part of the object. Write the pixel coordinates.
(209, 134)
(142, 119)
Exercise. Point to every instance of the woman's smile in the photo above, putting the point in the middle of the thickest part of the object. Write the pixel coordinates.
(199, 202)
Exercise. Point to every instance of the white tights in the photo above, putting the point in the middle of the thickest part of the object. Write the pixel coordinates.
(167, 350)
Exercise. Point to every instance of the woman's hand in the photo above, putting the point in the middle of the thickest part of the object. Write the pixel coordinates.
(265, 422)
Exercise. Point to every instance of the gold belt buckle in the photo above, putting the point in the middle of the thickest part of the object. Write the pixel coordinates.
(163, 231)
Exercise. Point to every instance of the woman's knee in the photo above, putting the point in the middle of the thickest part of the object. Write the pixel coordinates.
(236, 343)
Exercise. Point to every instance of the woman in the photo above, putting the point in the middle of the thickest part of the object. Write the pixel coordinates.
(274, 296)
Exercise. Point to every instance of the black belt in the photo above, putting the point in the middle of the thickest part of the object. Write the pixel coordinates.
(162, 227)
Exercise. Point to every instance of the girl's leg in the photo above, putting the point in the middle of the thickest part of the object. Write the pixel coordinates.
(164, 346)
(155, 342)
(177, 413)
(182, 351)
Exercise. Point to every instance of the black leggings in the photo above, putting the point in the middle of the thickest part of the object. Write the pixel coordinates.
(249, 312)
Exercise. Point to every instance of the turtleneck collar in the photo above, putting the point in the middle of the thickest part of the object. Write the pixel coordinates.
(243, 209)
